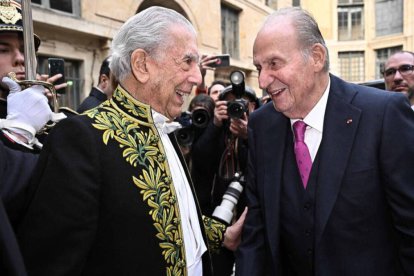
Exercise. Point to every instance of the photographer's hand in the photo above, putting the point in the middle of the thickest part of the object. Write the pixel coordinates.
(220, 113)
(232, 236)
(239, 126)
(204, 63)
(51, 79)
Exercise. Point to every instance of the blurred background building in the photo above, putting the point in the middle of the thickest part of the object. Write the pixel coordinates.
(360, 34)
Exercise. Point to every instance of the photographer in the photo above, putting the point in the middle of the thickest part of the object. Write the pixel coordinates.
(193, 122)
(219, 153)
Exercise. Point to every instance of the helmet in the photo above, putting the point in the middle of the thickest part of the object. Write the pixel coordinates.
(11, 19)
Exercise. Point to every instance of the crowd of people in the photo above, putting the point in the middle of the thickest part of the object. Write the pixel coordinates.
(131, 184)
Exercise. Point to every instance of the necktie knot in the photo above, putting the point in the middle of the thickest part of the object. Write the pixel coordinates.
(299, 128)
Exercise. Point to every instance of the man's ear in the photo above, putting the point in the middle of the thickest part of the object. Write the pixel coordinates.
(103, 81)
(139, 59)
(319, 56)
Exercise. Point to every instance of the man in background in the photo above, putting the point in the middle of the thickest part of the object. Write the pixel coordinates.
(399, 73)
(102, 91)
(215, 89)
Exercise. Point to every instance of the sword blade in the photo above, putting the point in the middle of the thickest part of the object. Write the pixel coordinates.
(28, 38)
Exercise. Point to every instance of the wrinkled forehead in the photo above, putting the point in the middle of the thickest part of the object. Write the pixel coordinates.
(182, 41)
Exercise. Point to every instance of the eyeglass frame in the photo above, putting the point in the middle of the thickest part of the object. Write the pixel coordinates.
(405, 69)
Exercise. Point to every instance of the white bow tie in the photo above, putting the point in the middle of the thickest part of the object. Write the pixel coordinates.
(162, 123)
(168, 127)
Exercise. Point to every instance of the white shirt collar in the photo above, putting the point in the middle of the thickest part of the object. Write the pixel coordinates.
(316, 116)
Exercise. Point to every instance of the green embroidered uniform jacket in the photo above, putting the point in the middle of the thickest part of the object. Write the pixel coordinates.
(105, 203)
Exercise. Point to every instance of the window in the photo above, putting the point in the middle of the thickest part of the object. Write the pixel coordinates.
(350, 20)
(230, 31)
(351, 66)
(296, 3)
(71, 98)
(68, 6)
(389, 16)
(382, 56)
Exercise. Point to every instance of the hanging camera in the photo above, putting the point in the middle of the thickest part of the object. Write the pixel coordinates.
(224, 212)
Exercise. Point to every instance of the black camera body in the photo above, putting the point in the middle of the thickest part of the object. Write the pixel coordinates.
(236, 108)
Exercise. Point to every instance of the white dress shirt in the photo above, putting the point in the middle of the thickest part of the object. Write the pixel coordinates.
(314, 121)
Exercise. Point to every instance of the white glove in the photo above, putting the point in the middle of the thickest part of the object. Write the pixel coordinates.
(28, 110)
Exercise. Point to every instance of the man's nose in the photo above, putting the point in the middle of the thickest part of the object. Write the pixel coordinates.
(265, 79)
(397, 75)
(18, 57)
(195, 76)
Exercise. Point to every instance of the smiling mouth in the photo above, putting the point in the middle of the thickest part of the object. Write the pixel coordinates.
(276, 92)
(182, 94)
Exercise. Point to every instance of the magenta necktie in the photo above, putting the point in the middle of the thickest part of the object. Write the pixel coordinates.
(302, 154)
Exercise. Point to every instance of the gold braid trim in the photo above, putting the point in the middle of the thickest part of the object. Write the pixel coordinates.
(129, 123)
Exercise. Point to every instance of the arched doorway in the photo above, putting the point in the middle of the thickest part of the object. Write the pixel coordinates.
(163, 3)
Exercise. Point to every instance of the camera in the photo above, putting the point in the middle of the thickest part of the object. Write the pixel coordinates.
(185, 134)
(224, 212)
(192, 123)
(237, 107)
(200, 117)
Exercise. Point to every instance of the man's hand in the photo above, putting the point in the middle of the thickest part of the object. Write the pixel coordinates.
(220, 113)
(204, 63)
(232, 236)
(238, 126)
(51, 79)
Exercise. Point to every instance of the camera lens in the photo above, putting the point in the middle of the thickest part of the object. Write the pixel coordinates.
(236, 108)
(185, 136)
(200, 118)
(224, 212)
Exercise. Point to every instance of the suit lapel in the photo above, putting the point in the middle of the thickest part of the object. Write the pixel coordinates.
(273, 156)
(340, 128)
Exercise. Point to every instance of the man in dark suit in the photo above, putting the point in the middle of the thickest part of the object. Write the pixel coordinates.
(102, 91)
(352, 212)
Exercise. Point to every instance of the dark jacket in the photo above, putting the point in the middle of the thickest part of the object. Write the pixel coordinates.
(95, 98)
(15, 171)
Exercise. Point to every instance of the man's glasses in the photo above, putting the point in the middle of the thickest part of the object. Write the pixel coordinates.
(404, 70)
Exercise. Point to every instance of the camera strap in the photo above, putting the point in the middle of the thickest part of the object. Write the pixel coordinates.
(229, 163)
